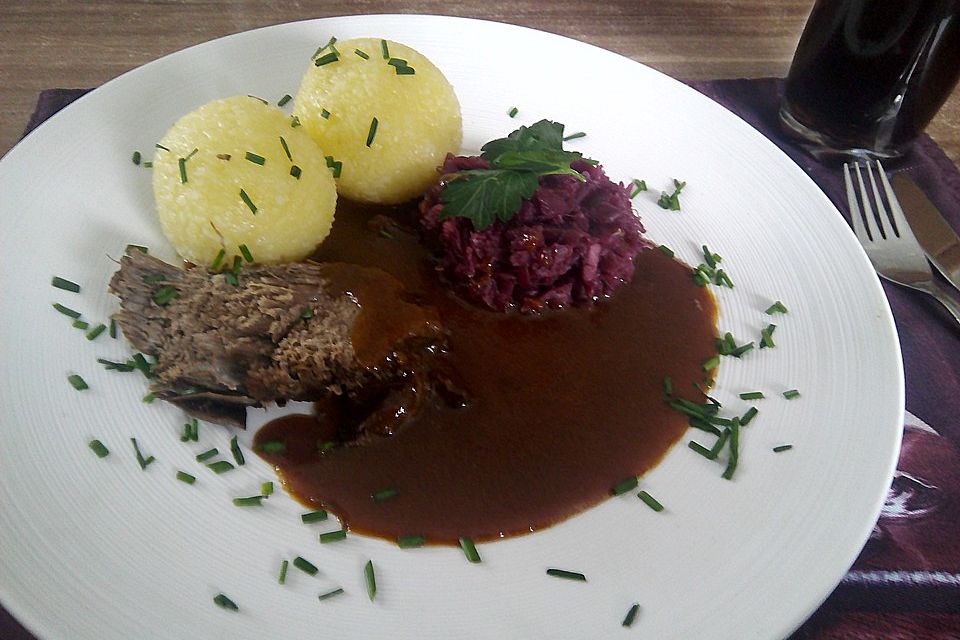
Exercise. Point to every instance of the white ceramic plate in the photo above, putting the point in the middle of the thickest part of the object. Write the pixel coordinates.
(98, 549)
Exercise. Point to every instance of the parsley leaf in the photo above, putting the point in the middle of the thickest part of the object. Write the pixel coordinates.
(516, 164)
(483, 195)
(671, 201)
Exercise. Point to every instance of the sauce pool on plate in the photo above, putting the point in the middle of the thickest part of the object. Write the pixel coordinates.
(558, 408)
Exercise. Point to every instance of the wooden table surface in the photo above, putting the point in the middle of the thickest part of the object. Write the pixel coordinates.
(65, 43)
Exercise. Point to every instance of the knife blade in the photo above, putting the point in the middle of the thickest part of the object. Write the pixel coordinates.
(937, 238)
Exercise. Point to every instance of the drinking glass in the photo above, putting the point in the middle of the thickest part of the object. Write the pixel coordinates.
(869, 75)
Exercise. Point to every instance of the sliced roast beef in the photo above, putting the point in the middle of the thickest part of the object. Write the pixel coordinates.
(226, 341)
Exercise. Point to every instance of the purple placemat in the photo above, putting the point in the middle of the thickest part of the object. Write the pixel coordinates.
(906, 582)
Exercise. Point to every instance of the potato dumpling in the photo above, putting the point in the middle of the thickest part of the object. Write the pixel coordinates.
(235, 172)
(384, 112)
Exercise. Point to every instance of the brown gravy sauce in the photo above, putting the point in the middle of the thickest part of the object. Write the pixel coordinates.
(562, 406)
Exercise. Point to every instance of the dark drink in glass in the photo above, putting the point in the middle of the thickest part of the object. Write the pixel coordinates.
(869, 75)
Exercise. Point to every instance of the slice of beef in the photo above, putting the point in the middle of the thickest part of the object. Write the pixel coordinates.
(277, 332)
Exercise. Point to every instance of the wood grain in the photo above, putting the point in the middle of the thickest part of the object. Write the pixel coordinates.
(64, 43)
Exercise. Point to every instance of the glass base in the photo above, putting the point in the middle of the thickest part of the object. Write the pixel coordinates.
(827, 149)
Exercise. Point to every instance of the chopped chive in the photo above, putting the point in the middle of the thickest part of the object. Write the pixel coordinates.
(326, 59)
(734, 446)
(223, 156)
(742, 349)
(330, 594)
(182, 476)
(116, 366)
(671, 201)
(711, 363)
(326, 446)
(372, 132)
(384, 50)
(313, 516)
(305, 565)
(333, 536)
(218, 260)
(282, 577)
(67, 311)
(148, 164)
(294, 122)
(206, 455)
(362, 54)
(631, 615)
(257, 98)
(113, 328)
(567, 575)
(77, 382)
(295, 171)
(137, 247)
(638, 187)
(286, 149)
(650, 501)
(722, 279)
(335, 165)
(513, 112)
(231, 279)
(748, 416)
(410, 542)
(165, 294)
(332, 41)
(96, 331)
(324, 114)
(266, 489)
(245, 252)
(384, 494)
(182, 164)
(247, 201)
(66, 285)
(284, 100)
(401, 67)
(99, 448)
(574, 136)
(776, 307)
(766, 336)
(782, 447)
(699, 448)
(236, 451)
(306, 313)
(666, 250)
(252, 501)
(625, 485)
(192, 153)
(143, 462)
(273, 446)
(371, 580)
(224, 602)
(160, 146)
(752, 395)
(141, 364)
(220, 466)
(791, 394)
(80, 324)
(136, 157)
(667, 386)
(149, 398)
(255, 158)
(470, 550)
(710, 258)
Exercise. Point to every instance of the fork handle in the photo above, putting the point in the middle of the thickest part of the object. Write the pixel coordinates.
(941, 294)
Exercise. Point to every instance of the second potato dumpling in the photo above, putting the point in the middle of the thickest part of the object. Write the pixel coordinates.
(384, 113)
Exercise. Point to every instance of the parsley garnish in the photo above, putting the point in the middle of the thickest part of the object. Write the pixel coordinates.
(516, 164)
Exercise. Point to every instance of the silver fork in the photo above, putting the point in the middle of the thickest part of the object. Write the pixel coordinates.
(887, 238)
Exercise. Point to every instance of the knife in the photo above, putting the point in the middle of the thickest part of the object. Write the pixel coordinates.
(936, 236)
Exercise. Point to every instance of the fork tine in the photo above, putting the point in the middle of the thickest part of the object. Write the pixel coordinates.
(868, 218)
(883, 215)
(901, 226)
(856, 215)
